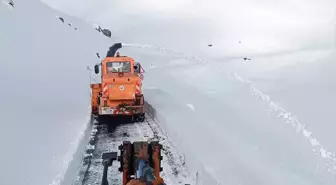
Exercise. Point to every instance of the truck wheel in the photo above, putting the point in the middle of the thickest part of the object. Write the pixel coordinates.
(140, 117)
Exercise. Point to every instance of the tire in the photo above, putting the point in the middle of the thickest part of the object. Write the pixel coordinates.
(140, 117)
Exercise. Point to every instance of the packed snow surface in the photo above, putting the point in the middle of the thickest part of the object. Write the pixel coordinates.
(107, 138)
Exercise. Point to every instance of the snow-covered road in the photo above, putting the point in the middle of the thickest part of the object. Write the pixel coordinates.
(107, 138)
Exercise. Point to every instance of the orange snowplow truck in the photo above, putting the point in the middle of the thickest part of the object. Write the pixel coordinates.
(120, 90)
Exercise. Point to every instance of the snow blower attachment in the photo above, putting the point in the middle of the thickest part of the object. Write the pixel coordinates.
(140, 161)
(120, 90)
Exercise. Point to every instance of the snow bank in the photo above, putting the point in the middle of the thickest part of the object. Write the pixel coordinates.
(45, 93)
(202, 175)
(230, 132)
(303, 96)
(231, 137)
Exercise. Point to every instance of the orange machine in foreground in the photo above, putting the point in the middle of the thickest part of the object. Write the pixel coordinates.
(120, 90)
(140, 163)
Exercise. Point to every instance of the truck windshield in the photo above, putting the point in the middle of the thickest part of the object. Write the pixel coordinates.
(116, 67)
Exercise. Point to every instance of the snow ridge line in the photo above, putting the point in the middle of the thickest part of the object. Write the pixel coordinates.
(290, 118)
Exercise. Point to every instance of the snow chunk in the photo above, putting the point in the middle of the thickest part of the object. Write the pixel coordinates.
(314, 142)
(191, 106)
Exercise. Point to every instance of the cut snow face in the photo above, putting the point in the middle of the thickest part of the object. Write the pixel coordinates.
(244, 134)
(45, 100)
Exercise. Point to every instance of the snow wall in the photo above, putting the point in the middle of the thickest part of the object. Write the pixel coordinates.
(230, 130)
(45, 94)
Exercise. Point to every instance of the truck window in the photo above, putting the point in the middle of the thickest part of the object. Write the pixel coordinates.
(115, 67)
(137, 70)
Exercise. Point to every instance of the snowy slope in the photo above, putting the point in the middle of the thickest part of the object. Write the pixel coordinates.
(189, 25)
(45, 90)
(231, 132)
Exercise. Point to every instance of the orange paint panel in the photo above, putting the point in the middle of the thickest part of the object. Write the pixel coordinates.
(121, 84)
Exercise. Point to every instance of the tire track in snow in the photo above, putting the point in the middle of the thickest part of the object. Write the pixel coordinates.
(286, 116)
(107, 138)
(103, 139)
